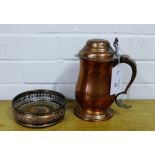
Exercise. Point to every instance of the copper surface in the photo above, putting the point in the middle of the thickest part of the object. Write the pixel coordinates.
(93, 85)
(93, 88)
(97, 50)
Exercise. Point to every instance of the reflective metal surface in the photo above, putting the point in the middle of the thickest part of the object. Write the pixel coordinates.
(97, 59)
(97, 50)
(39, 108)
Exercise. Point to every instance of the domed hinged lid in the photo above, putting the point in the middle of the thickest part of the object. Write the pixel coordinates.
(97, 50)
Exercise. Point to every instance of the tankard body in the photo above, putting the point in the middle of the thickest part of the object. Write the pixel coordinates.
(93, 85)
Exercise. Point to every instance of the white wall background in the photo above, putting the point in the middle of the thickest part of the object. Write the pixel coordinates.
(42, 56)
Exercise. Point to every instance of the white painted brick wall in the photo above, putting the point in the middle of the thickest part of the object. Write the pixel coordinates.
(42, 56)
(10, 72)
(55, 72)
(29, 47)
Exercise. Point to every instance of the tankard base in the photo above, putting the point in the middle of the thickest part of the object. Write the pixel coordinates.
(93, 117)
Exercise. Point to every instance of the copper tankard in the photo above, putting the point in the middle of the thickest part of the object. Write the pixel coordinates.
(92, 93)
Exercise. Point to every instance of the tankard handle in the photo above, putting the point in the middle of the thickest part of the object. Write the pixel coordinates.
(131, 62)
